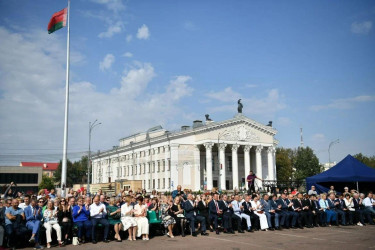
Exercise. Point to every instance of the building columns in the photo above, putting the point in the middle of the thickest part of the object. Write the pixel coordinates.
(270, 163)
(197, 170)
(208, 146)
(246, 152)
(235, 166)
(258, 158)
(222, 168)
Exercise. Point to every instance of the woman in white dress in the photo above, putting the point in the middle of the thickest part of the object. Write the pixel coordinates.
(128, 222)
(257, 207)
(140, 211)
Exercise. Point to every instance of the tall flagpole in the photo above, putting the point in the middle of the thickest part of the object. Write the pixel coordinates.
(64, 161)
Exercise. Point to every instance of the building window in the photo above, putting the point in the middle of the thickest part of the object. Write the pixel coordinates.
(153, 167)
(135, 172)
(153, 184)
(169, 182)
(169, 164)
(124, 171)
(144, 184)
(149, 184)
(148, 169)
(213, 165)
(163, 182)
(144, 168)
(140, 169)
(128, 170)
(158, 183)
(158, 166)
(163, 165)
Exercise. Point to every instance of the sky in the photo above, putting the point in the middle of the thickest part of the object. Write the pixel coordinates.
(138, 64)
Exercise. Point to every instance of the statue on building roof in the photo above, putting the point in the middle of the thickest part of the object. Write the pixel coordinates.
(240, 106)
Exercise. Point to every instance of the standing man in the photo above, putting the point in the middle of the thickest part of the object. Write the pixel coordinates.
(251, 182)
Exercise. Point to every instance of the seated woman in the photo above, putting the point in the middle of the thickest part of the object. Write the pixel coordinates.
(127, 220)
(257, 207)
(178, 214)
(64, 216)
(167, 219)
(140, 212)
(114, 216)
(81, 218)
(50, 221)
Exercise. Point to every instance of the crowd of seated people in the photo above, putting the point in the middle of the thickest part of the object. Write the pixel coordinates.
(57, 219)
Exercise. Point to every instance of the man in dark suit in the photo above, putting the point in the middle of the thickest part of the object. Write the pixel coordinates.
(333, 205)
(247, 209)
(191, 215)
(279, 216)
(281, 203)
(215, 211)
(293, 215)
(307, 210)
(224, 206)
(357, 205)
(298, 207)
(319, 217)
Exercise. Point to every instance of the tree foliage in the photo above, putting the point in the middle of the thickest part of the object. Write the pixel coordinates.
(367, 160)
(305, 163)
(46, 183)
(76, 172)
(296, 164)
(284, 168)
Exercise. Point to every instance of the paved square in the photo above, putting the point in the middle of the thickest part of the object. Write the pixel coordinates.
(352, 237)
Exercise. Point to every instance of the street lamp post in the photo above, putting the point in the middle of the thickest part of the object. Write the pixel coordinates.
(91, 127)
(329, 150)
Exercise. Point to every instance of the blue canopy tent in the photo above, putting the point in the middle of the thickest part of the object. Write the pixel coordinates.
(347, 170)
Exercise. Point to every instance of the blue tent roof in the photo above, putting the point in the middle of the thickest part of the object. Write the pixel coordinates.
(347, 170)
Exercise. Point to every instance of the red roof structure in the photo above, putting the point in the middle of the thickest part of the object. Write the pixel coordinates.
(47, 166)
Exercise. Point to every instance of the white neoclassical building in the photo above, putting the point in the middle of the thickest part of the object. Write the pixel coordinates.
(206, 155)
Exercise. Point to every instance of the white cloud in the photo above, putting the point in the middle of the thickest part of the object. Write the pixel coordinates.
(344, 103)
(127, 54)
(112, 30)
(265, 106)
(143, 32)
(114, 5)
(129, 38)
(361, 27)
(227, 95)
(33, 97)
(107, 62)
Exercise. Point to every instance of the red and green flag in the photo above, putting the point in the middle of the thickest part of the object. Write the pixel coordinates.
(58, 20)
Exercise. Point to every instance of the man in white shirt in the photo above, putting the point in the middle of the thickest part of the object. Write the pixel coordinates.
(25, 203)
(98, 213)
(238, 211)
(369, 211)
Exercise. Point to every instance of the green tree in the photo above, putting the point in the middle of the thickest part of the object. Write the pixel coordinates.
(305, 163)
(76, 172)
(284, 167)
(46, 183)
(367, 160)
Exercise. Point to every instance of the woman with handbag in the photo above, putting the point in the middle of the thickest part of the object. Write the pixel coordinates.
(114, 216)
(178, 214)
(50, 221)
(127, 220)
(167, 219)
(64, 215)
(257, 207)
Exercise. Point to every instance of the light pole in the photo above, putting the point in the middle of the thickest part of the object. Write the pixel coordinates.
(329, 151)
(91, 127)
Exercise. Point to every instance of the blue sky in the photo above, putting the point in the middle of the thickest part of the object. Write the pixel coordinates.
(137, 64)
